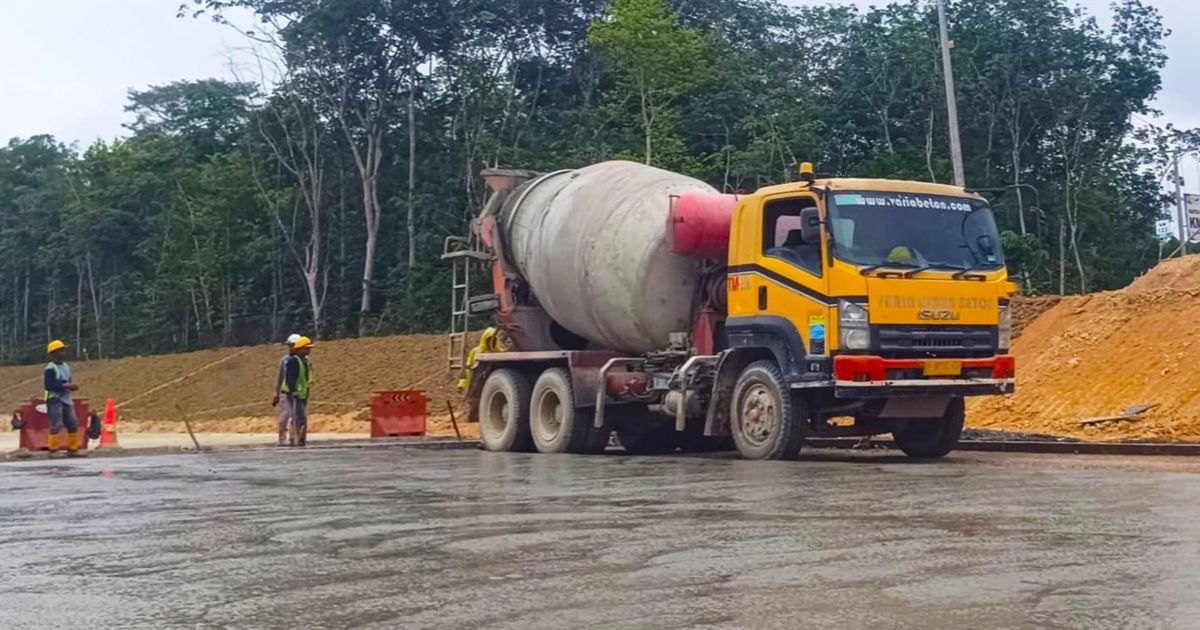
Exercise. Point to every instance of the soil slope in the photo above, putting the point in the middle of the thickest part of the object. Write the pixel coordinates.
(1095, 355)
(230, 389)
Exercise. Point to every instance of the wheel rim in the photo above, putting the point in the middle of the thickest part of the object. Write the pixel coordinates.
(549, 416)
(759, 415)
(497, 413)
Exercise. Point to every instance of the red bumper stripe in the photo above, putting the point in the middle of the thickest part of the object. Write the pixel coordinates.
(855, 368)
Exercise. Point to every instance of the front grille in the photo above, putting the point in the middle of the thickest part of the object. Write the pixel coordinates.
(927, 341)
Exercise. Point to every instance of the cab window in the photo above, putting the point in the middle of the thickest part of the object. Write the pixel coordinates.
(785, 236)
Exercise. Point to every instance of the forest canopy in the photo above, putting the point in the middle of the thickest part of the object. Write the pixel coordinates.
(314, 191)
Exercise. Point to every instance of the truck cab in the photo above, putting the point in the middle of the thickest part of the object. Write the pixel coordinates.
(882, 300)
(630, 299)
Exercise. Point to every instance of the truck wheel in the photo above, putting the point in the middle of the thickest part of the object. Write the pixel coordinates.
(557, 426)
(504, 412)
(767, 422)
(932, 438)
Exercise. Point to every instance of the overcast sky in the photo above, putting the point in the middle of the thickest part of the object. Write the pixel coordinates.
(66, 65)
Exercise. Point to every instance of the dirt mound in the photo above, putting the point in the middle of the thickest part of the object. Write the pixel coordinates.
(231, 388)
(1176, 273)
(1096, 355)
(1027, 309)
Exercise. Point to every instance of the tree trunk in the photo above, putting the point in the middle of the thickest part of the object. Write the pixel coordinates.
(78, 308)
(412, 184)
(196, 309)
(647, 124)
(1062, 258)
(1016, 162)
(929, 147)
(368, 164)
(112, 311)
(96, 299)
(53, 291)
(343, 294)
(25, 313)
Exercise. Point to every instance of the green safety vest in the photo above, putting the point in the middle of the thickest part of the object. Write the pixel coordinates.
(49, 395)
(303, 380)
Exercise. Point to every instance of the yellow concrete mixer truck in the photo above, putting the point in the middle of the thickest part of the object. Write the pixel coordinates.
(631, 299)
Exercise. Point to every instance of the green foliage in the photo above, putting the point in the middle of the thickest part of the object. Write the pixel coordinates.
(231, 216)
(655, 62)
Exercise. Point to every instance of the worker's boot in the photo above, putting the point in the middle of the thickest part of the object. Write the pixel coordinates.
(283, 437)
(302, 439)
(52, 444)
(73, 445)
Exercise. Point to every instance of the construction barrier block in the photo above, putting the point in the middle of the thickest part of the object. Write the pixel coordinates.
(398, 413)
(36, 425)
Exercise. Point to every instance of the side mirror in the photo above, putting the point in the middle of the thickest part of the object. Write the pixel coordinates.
(810, 226)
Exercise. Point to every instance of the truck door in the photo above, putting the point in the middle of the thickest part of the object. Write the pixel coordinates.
(777, 275)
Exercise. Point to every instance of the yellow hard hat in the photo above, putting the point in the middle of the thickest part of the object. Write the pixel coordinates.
(303, 342)
(55, 346)
(900, 254)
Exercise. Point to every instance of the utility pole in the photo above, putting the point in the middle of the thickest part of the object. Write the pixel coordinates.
(1181, 208)
(960, 178)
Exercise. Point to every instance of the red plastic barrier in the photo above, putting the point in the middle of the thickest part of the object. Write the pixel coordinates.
(700, 225)
(398, 413)
(36, 425)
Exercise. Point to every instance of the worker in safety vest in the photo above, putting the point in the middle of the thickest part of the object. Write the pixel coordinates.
(297, 381)
(279, 400)
(489, 341)
(60, 409)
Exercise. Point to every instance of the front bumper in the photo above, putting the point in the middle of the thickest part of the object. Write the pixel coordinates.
(877, 377)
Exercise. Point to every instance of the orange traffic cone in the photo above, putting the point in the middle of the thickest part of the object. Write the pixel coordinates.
(108, 430)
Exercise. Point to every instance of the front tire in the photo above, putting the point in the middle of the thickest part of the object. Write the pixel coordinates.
(557, 426)
(934, 437)
(768, 422)
(504, 412)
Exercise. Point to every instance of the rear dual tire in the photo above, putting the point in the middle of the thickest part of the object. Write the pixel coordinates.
(556, 424)
(515, 417)
(504, 412)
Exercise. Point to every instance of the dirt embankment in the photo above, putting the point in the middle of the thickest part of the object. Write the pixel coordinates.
(1096, 355)
(230, 389)
(1077, 358)
(1026, 310)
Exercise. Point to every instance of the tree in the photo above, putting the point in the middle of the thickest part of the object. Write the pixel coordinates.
(654, 59)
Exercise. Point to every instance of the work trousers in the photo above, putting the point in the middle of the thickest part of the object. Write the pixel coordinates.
(62, 414)
(299, 413)
(285, 417)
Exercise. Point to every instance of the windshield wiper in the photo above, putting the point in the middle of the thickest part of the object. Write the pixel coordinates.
(970, 271)
(914, 272)
(866, 271)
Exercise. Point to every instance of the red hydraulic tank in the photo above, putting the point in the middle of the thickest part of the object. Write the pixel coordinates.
(398, 413)
(700, 224)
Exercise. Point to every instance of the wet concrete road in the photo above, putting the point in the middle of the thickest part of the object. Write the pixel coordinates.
(464, 539)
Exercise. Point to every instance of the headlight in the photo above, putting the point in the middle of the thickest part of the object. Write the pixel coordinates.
(853, 326)
(1005, 336)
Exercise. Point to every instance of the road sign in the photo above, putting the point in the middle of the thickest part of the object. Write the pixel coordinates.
(1162, 229)
(1192, 202)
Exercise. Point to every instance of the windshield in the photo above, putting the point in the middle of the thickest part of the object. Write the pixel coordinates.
(873, 229)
